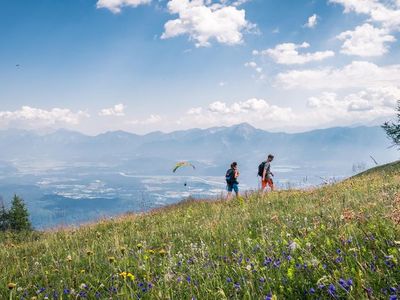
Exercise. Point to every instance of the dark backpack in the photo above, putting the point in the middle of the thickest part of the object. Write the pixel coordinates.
(230, 176)
(261, 168)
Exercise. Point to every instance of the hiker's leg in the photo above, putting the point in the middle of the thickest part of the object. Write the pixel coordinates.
(263, 185)
(236, 189)
(229, 188)
(271, 184)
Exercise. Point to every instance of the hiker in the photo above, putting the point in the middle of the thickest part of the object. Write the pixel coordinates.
(264, 171)
(231, 180)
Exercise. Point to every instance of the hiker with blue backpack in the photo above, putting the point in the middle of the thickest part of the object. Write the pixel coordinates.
(264, 171)
(231, 180)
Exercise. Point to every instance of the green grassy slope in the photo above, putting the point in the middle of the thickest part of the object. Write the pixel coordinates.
(339, 241)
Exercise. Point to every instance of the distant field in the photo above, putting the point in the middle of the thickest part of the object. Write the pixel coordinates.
(340, 241)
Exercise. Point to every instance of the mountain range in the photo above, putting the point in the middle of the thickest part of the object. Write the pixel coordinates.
(211, 149)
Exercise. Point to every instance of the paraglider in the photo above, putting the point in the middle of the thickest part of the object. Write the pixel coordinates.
(183, 164)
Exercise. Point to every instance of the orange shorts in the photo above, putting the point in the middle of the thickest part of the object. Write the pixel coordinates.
(268, 182)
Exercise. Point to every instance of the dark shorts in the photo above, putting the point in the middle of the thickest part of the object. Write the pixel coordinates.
(233, 187)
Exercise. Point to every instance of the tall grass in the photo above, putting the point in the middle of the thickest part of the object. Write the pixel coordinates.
(340, 241)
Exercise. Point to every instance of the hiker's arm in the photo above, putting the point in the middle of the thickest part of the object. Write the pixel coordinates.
(264, 174)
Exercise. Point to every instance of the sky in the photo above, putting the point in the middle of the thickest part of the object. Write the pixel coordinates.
(147, 65)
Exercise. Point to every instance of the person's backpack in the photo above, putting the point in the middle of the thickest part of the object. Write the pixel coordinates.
(230, 176)
(261, 168)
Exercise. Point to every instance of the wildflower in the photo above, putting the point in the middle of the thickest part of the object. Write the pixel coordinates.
(312, 291)
(130, 276)
(332, 289)
(89, 252)
(111, 259)
(229, 280)
(69, 258)
(293, 246)
(393, 297)
(162, 252)
(66, 291)
(83, 286)
(248, 268)
(83, 271)
(139, 246)
(290, 273)
(11, 285)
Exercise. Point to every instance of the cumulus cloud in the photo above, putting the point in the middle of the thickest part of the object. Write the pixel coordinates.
(205, 21)
(365, 105)
(365, 40)
(288, 54)
(30, 117)
(117, 110)
(115, 6)
(358, 74)
(387, 15)
(222, 113)
(312, 21)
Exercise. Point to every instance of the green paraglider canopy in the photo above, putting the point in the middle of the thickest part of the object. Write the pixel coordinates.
(183, 164)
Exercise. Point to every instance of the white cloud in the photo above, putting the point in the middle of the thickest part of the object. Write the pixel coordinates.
(365, 105)
(117, 110)
(30, 117)
(115, 6)
(358, 74)
(288, 54)
(151, 120)
(253, 65)
(387, 15)
(365, 40)
(205, 21)
(312, 21)
(222, 113)
(326, 109)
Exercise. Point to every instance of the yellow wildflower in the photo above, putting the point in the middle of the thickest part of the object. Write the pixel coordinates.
(111, 259)
(11, 285)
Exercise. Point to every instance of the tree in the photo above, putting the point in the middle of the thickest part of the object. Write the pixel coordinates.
(19, 215)
(4, 217)
(393, 128)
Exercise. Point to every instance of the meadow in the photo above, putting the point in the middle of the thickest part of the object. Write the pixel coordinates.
(339, 241)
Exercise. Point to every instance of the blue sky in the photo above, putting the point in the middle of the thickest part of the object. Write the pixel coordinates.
(144, 65)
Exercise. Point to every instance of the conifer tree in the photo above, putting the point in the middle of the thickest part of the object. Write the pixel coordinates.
(393, 128)
(19, 215)
(4, 218)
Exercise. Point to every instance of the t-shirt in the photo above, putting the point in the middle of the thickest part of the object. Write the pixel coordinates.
(267, 168)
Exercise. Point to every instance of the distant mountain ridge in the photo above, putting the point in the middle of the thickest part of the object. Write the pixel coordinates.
(213, 148)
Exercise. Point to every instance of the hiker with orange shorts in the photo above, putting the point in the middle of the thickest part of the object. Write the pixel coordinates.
(266, 178)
